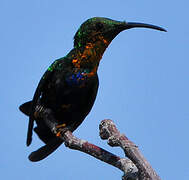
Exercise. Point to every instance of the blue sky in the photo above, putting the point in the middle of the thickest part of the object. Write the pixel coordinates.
(143, 84)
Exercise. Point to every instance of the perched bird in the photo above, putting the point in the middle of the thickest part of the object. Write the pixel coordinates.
(70, 84)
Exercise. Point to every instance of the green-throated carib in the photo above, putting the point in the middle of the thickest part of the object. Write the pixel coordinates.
(69, 86)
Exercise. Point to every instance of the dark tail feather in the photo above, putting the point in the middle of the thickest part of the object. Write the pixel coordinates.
(26, 108)
(51, 145)
(45, 150)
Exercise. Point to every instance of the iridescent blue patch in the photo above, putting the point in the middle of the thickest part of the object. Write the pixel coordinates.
(76, 79)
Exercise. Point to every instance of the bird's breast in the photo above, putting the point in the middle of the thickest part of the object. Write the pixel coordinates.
(78, 79)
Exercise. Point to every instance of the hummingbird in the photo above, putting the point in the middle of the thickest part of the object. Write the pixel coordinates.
(70, 84)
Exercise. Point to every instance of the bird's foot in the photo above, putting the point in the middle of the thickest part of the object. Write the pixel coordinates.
(59, 129)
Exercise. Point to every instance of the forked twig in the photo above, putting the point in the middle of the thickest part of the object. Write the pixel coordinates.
(134, 168)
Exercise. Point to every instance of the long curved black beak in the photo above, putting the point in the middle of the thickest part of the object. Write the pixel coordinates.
(129, 25)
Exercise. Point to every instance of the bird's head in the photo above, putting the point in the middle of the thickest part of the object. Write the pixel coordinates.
(105, 30)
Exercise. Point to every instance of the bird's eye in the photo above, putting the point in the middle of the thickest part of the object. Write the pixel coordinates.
(99, 26)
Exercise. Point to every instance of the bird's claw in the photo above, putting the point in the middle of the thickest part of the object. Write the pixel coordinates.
(59, 129)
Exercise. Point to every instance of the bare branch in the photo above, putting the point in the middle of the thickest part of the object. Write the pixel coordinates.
(134, 168)
(109, 131)
(121, 163)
